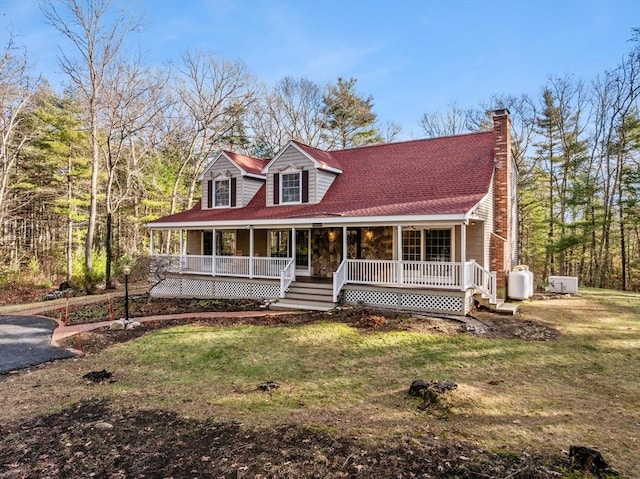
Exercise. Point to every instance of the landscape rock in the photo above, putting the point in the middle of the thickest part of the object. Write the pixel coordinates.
(268, 386)
(97, 376)
(103, 425)
(430, 390)
(588, 460)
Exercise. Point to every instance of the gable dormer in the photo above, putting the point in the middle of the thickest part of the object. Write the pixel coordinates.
(231, 181)
(299, 174)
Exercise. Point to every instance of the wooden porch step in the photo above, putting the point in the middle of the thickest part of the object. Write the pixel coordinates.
(307, 295)
(303, 304)
(499, 306)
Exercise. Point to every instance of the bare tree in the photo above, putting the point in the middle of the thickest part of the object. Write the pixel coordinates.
(98, 40)
(292, 110)
(16, 91)
(453, 122)
(212, 98)
(131, 103)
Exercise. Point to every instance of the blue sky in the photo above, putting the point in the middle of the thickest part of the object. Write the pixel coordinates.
(411, 56)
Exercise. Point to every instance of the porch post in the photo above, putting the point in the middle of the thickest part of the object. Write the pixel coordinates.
(251, 252)
(463, 255)
(213, 252)
(293, 251)
(399, 272)
(344, 243)
(181, 251)
(152, 252)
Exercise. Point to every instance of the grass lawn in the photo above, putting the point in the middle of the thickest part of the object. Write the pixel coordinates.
(513, 395)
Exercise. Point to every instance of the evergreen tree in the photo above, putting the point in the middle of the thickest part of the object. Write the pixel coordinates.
(349, 117)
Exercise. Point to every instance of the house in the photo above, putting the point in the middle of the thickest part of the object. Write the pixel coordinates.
(421, 225)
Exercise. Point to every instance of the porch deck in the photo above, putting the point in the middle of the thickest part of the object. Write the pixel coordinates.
(431, 275)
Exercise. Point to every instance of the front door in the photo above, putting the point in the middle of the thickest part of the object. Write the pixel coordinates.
(303, 250)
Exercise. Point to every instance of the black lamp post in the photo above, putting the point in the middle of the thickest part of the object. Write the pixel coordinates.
(126, 270)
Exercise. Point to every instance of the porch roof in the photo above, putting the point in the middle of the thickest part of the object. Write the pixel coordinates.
(434, 177)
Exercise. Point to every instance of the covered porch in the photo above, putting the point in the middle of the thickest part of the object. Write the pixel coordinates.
(425, 257)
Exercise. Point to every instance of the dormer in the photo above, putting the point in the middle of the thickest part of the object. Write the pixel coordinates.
(231, 180)
(299, 174)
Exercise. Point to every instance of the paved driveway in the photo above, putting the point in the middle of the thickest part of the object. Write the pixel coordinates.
(26, 341)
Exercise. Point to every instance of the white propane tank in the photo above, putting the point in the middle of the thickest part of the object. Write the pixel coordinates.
(524, 267)
(520, 283)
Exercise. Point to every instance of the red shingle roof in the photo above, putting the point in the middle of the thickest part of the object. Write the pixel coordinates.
(438, 176)
(247, 163)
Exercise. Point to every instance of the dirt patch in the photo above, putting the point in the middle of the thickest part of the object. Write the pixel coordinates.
(515, 327)
(91, 439)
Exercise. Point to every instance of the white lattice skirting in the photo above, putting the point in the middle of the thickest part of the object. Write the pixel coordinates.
(431, 301)
(202, 288)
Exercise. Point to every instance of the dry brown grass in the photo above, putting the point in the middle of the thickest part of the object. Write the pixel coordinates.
(513, 395)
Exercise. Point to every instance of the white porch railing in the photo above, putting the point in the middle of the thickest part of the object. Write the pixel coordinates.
(339, 279)
(287, 276)
(405, 273)
(481, 279)
(241, 266)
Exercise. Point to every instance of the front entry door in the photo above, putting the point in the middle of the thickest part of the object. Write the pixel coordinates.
(302, 252)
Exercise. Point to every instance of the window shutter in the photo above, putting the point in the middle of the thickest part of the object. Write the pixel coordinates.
(209, 194)
(305, 186)
(233, 192)
(276, 189)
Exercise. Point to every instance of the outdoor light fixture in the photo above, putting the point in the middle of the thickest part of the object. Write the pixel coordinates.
(332, 235)
(368, 235)
(126, 269)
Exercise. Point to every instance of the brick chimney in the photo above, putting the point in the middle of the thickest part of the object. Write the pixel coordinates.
(501, 239)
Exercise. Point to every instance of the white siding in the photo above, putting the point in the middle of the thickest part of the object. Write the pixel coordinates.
(291, 157)
(325, 180)
(485, 212)
(247, 189)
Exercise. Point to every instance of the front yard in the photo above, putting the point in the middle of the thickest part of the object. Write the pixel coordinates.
(184, 401)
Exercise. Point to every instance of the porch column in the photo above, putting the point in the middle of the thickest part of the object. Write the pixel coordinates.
(399, 271)
(344, 243)
(293, 251)
(463, 255)
(213, 252)
(251, 252)
(151, 251)
(183, 266)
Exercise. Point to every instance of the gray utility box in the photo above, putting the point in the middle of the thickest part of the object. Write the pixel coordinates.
(563, 284)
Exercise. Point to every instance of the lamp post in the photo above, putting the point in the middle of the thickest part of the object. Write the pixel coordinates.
(126, 270)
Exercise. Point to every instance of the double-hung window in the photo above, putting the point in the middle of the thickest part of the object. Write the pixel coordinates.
(222, 195)
(291, 187)
(426, 245)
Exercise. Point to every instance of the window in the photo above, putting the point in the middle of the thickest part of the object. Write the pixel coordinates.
(437, 245)
(226, 243)
(411, 250)
(279, 242)
(222, 193)
(426, 245)
(291, 188)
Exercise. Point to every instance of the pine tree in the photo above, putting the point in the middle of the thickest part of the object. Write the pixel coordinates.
(349, 117)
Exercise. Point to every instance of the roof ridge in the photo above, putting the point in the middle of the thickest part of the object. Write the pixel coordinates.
(402, 142)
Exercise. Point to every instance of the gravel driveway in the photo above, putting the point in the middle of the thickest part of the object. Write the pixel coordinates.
(26, 341)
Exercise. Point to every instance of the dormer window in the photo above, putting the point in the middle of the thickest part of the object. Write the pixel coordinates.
(222, 194)
(291, 187)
